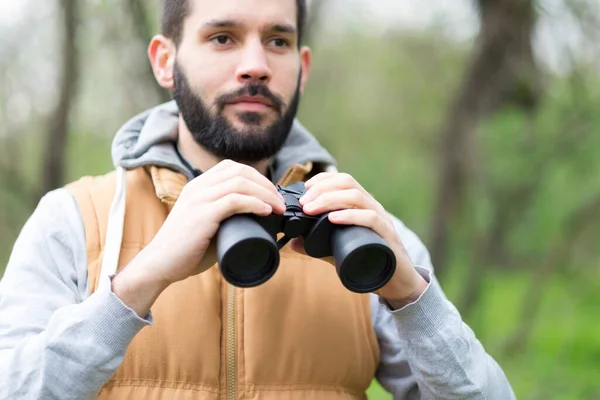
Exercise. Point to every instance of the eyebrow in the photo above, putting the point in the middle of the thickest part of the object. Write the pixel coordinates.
(282, 28)
(227, 23)
(221, 23)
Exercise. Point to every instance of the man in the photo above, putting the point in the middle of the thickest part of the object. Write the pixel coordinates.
(112, 289)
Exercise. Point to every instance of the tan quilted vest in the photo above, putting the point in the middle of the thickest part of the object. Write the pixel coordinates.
(301, 335)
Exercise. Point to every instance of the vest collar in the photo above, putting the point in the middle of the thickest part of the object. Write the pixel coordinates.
(169, 184)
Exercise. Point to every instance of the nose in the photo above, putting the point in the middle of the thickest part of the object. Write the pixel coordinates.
(254, 65)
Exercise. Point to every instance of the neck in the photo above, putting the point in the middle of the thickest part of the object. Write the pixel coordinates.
(202, 159)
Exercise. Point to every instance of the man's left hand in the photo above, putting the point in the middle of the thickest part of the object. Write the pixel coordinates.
(350, 204)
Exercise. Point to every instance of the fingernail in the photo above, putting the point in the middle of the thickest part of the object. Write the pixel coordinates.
(334, 215)
(309, 207)
(305, 198)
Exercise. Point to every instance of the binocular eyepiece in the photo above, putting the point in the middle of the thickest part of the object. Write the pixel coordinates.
(248, 253)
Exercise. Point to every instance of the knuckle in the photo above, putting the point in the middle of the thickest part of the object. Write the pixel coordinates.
(356, 195)
(347, 178)
(315, 191)
(238, 182)
(240, 167)
(228, 163)
(243, 170)
(372, 216)
(390, 226)
(231, 201)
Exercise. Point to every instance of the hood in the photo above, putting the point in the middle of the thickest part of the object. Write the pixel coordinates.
(147, 139)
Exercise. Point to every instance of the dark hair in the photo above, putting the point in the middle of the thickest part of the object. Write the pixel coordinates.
(175, 11)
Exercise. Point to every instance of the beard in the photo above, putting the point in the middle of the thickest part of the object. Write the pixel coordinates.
(216, 133)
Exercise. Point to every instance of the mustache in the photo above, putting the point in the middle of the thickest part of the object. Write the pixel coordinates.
(252, 90)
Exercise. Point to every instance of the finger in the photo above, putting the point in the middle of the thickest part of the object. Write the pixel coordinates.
(222, 165)
(339, 200)
(229, 169)
(235, 203)
(368, 218)
(319, 177)
(245, 186)
(336, 182)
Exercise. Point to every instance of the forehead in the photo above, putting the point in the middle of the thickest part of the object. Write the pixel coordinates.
(250, 12)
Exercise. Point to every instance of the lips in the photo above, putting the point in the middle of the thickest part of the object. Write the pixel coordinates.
(252, 103)
(258, 100)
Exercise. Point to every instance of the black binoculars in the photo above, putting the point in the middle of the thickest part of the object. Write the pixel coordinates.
(248, 250)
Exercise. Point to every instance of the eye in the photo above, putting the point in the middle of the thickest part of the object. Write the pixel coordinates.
(221, 40)
(279, 42)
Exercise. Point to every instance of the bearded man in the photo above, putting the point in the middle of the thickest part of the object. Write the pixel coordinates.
(113, 290)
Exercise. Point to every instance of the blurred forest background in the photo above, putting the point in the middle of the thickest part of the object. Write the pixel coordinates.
(475, 122)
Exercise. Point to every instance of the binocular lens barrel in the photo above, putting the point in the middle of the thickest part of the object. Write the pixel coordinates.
(248, 256)
(364, 261)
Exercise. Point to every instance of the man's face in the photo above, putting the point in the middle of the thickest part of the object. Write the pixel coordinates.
(237, 76)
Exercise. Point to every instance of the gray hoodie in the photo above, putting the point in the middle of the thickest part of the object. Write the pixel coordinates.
(58, 342)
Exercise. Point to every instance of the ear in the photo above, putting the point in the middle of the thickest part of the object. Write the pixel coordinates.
(161, 53)
(305, 64)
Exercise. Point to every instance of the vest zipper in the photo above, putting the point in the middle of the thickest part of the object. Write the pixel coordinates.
(231, 375)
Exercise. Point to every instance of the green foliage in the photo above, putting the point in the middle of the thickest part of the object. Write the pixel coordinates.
(381, 120)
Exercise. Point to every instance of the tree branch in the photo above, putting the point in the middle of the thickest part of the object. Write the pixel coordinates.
(53, 171)
(138, 13)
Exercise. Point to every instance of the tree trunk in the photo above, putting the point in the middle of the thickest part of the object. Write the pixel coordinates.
(315, 12)
(53, 168)
(502, 71)
(138, 13)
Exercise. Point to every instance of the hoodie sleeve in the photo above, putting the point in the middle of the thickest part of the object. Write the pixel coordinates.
(53, 344)
(427, 351)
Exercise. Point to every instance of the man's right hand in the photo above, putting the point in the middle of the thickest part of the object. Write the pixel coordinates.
(184, 245)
